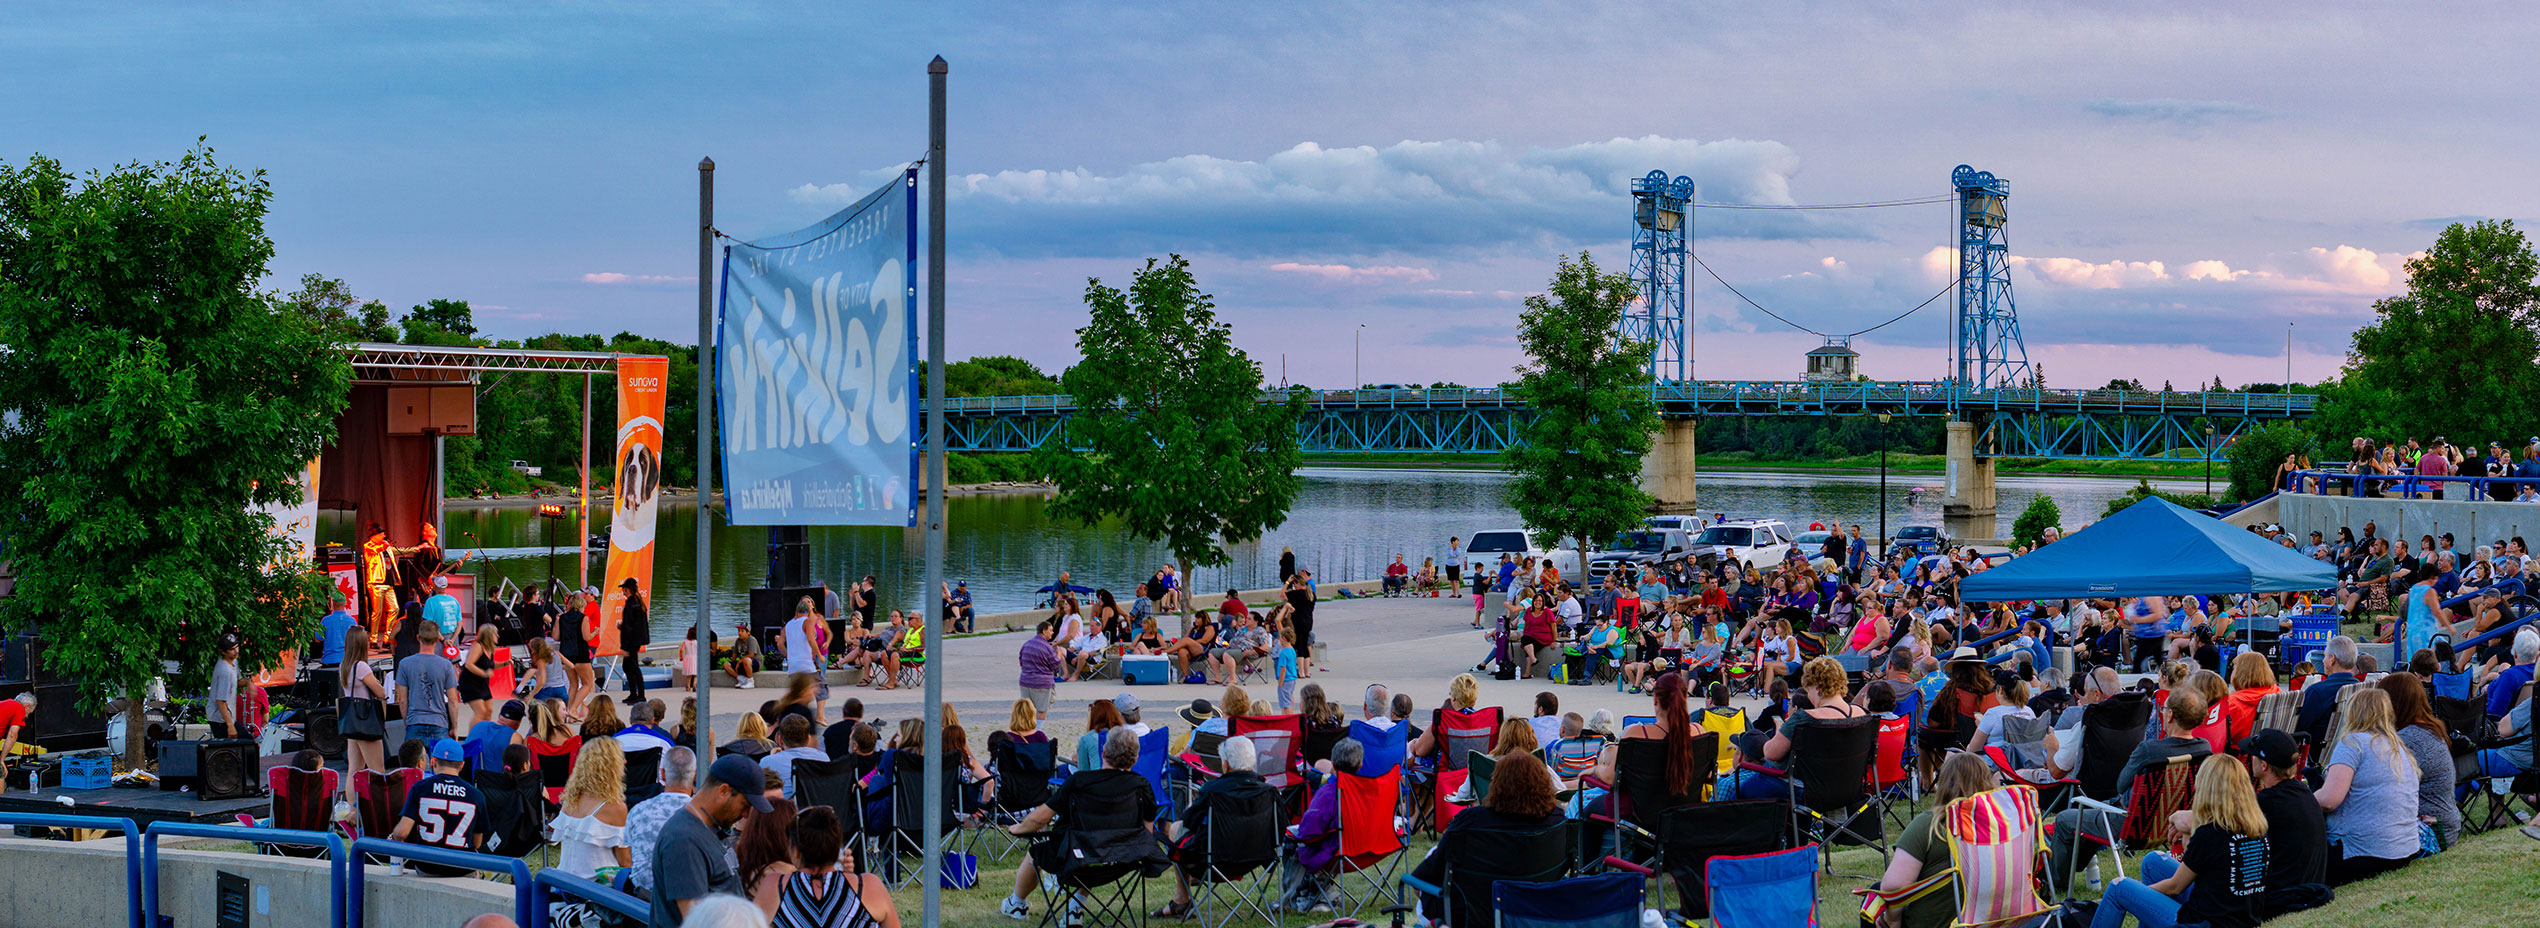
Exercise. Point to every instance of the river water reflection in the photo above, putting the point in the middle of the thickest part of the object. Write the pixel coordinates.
(1346, 524)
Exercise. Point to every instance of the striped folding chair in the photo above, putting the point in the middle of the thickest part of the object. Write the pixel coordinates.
(1995, 849)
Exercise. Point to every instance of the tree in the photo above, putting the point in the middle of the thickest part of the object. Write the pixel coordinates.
(150, 400)
(2030, 528)
(330, 305)
(1576, 464)
(2253, 458)
(1170, 434)
(2143, 490)
(995, 375)
(2452, 356)
(440, 322)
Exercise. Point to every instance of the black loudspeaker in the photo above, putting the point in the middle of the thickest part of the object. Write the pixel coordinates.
(319, 731)
(58, 723)
(179, 764)
(228, 769)
(788, 556)
(772, 607)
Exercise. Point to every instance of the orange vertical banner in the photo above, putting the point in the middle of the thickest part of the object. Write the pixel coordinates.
(642, 384)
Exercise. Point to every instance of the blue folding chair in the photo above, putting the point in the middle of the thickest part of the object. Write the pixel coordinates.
(1606, 900)
(2455, 685)
(1631, 720)
(1385, 746)
(1152, 748)
(1775, 890)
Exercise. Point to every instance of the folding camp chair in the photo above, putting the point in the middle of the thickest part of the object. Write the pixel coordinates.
(1572, 758)
(1459, 735)
(1476, 859)
(1384, 747)
(377, 798)
(905, 858)
(1728, 722)
(1826, 779)
(2455, 685)
(1238, 869)
(514, 812)
(2110, 730)
(1606, 900)
(1688, 837)
(1371, 847)
(1153, 748)
(643, 775)
(1764, 890)
(1995, 848)
(1892, 779)
(2279, 710)
(555, 766)
(1318, 744)
(1639, 795)
(1478, 768)
(2158, 791)
(1023, 784)
(837, 784)
(1278, 743)
(302, 801)
(1102, 851)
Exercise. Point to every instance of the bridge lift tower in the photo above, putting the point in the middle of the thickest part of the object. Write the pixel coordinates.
(1662, 231)
(1987, 352)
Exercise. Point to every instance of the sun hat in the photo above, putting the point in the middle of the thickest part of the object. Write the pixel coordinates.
(1200, 710)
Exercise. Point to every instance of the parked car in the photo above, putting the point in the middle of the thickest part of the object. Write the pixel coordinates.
(1813, 544)
(1918, 540)
(1481, 554)
(527, 469)
(1742, 542)
(1689, 524)
(1655, 547)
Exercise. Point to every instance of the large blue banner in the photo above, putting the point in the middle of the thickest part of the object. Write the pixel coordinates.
(817, 369)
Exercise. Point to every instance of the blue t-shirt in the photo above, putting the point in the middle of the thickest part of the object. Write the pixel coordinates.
(2136, 610)
(485, 743)
(443, 610)
(2507, 688)
(1286, 663)
(335, 625)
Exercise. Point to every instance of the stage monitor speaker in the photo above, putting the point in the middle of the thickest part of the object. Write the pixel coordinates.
(228, 769)
(788, 556)
(320, 732)
(179, 764)
(59, 722)
(771, 607)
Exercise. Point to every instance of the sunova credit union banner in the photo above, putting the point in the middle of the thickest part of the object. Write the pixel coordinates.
(817, 369)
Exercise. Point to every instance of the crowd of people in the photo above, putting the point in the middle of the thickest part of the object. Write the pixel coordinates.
(2406, 467)
(1211, 646)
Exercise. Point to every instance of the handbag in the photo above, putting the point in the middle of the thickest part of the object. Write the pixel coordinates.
(362, 718)
(960, 871)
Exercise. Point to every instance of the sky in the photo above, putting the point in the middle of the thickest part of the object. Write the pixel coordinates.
(2190, 184)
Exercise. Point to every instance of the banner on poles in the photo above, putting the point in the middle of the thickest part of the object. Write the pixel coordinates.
(817, 369)
(642, 386)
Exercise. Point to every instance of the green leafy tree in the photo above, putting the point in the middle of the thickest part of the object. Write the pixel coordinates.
(2041, 514)
(448, 323)
(330, 305)
(2452, 356)
(2143, 490)
(2255, 455)
(1577, 462)
(1170, 434)
(150, 399)
(995, 375)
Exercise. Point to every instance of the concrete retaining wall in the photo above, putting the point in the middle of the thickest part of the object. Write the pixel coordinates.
(2471, 523)
(44, 884)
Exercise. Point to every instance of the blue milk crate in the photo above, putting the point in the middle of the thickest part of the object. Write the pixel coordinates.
(2311, 631)
(88, 771)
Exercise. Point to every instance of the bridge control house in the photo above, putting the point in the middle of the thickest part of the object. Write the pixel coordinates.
(1834, 361)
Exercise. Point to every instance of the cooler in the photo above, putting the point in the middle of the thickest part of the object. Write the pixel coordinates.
(1146, 669)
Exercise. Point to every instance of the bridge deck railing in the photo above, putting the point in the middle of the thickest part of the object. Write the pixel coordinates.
(1894, 394)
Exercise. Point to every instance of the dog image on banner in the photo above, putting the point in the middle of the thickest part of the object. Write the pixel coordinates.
(642, 384)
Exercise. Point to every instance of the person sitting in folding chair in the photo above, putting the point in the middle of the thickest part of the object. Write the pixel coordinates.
(1239, 786)
(2186, 711)
(1081, 840)
(1824, 683)
(1521, 800)
(2221, 879)
(1315, 840)
(1922, 852)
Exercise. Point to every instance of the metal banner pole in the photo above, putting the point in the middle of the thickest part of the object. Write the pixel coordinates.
(705, 459)
(934, 463)
(582, 568)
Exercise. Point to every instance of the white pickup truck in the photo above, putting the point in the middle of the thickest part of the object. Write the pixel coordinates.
(527, 469)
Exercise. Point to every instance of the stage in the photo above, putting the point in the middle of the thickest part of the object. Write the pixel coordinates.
(143, 806)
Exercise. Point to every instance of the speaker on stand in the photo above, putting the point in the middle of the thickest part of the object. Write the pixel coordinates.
(321, 734)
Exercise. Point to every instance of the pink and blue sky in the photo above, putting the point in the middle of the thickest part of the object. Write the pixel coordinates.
(2189, 182)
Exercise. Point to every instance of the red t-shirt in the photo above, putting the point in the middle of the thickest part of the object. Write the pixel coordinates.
(12, 715)
(1397, 569)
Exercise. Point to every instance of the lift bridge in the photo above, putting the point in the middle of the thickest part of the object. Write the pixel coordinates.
(1993, 397)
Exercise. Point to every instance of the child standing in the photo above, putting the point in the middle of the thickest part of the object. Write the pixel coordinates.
(1285, 665)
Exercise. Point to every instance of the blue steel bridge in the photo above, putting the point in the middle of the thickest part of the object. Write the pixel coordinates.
(1993, 389)
(2012, 422)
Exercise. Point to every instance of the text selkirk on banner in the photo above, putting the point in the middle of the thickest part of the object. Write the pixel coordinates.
(816, 365)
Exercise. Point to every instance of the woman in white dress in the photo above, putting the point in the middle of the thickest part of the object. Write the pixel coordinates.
(590, 825)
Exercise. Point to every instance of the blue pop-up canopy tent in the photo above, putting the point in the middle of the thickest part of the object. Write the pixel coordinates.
(2152, 548)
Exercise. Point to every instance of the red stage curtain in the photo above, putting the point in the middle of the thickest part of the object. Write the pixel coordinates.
(382, 478)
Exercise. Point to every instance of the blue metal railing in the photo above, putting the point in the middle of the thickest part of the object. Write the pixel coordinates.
(131, 849)
(1940, 393)
(552, 881)
(525, 908)
(339, 864)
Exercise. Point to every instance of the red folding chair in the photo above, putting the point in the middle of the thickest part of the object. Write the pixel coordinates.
(555, 765)
(1371, 846)
(379, 795)
(1280, 736)
(1891, 773)
(1460, 734)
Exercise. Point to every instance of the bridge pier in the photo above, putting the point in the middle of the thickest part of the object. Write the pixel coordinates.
(1667, 471)
(1969, 512)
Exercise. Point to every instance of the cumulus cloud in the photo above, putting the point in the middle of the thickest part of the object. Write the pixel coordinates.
(613, 277)
(1411, 195)
(2182, 113)
(1342, 273)
(2075, 272)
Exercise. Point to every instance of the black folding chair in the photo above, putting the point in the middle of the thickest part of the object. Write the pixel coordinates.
(1690, 836)
(1640, 794)
(1238, 867)
(643, 775)
(835, 783)
(513, 811)
(1023, 784)
(1478, 859)
(1826, 777)
(1103, 852)
(906, 857)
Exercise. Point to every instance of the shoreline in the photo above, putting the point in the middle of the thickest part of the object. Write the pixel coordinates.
(687, 496)
(1788, 467)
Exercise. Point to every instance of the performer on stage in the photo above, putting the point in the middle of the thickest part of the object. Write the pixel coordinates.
(15, 737)
(379, 581)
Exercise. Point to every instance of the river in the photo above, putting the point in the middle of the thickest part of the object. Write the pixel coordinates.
(1347, 522)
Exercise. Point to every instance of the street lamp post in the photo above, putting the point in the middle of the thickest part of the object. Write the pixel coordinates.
(1883, 485)
(1356, 380)
(2209, 464)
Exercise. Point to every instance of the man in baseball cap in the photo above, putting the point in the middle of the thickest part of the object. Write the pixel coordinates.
(2297, 832)
(443, 810)
(688, 861)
